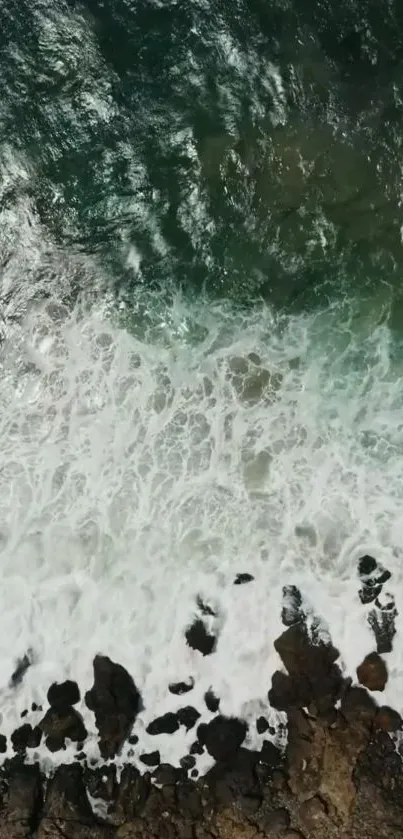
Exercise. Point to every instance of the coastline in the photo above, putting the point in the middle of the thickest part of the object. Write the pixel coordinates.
(340, 777)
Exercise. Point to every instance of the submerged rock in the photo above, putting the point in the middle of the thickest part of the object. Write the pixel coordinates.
(21, 668)
(372, 672)
(188, 717)
(241, 579)
(382, 620)
(151, 759)
(115, 701)
(291, 611)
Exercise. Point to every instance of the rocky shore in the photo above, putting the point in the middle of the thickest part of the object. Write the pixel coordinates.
(340, 774)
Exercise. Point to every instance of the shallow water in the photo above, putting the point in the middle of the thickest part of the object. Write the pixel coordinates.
(201, 357)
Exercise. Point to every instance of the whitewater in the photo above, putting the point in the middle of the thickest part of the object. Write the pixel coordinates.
(154, 443)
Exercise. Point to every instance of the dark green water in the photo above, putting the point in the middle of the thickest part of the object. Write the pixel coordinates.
(243, 148)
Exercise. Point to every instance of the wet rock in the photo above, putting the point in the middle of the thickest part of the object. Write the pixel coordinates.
(222, 737)
(3, 744)
(21, 802)
(284, 692)
(198, 638)
(167, 724)
(63, 695)
(372, 576)
(188, 717)
(261, 725)
(315, 678)
(21, 668)
(270, 755)
(24, 713)
(235, 781)
(101, 782)
(115, 701)
(387, 719)
(179, 688)
(196, 749)
(212, 701)
(133, 739)
(188, 762)
(189, 800)
(382, 621)
(57, 725)
(372, 672)
(67, 811)
(241, 579)
(357, 704)
(26, 737)
(291, 611)
(151, 759)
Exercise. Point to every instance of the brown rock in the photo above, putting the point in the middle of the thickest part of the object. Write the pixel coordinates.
(313, 813)
(357, 704)
(315, 678)
(115, 701)
(372, 672)
(387, 719)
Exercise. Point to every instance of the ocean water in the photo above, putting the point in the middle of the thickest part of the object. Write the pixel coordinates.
(201, 357)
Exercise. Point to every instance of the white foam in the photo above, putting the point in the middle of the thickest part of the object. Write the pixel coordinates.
(134, 476)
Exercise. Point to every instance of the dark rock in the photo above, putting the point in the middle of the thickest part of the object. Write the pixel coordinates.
(292, 606)
(372, 672)
(24, 713)
(35, 707)
(151, 759)
(277, 821)
(66, 803)
(21, 668)
(80, 756)
(188, 762)
(3, 744)
(368, 594)
(196, 749)
(270, 755)
(315, 678)
(57, 725)
(133, 793)
(167, 775)
(205, 608)
(261, 725)
(387, 719)
(235, 780)
(133, 739)
(115, 701)
(180, 688)
(101, 782)
(284, 692)
(198, 638)
(188, 717)
(357, 704)
(241, 579)
(167, 724)
(26, 737)
(194, 773)
(366, 565)
(383, 625)
(63, 695)
(189, 800)
(212, 701)
(22, 803)
(222, 737)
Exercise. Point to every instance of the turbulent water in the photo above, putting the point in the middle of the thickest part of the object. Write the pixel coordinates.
(201, 359)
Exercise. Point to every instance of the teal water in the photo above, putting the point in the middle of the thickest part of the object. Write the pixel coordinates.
(201, 335)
